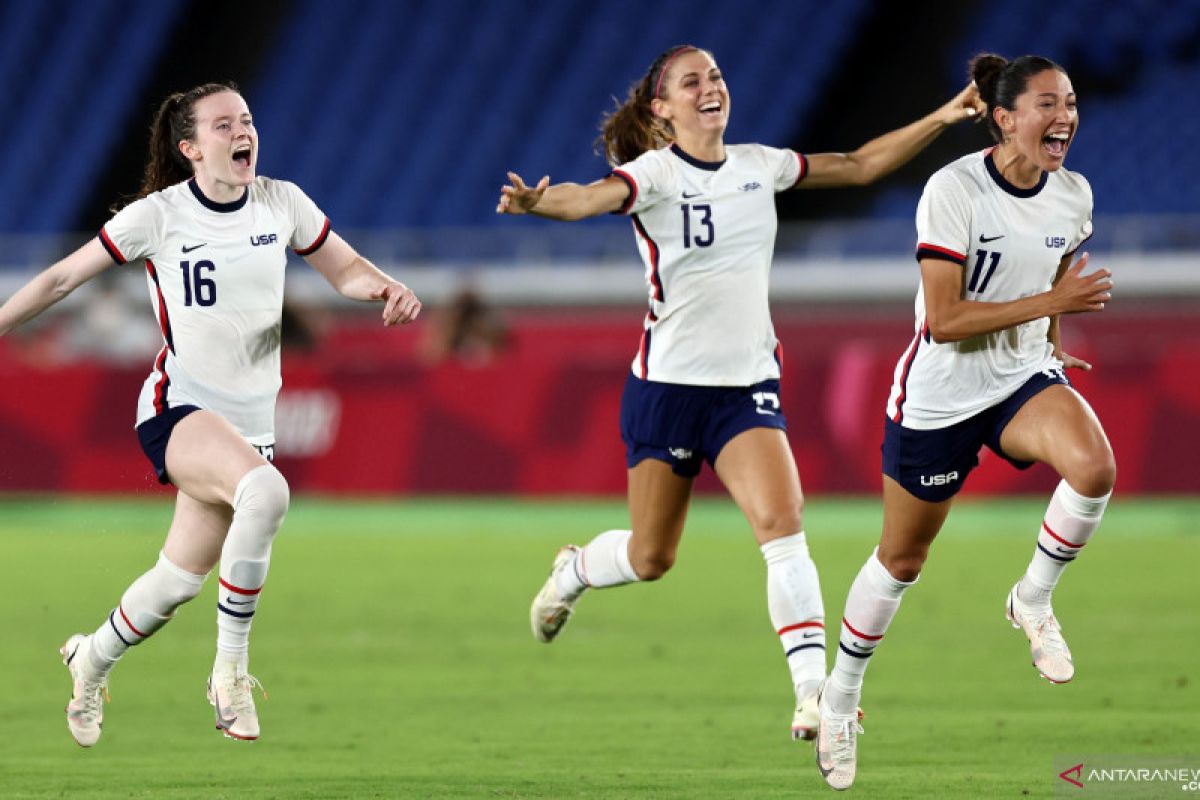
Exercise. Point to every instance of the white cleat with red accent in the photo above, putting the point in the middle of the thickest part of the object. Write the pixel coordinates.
(806, 719)
(85, 709)
(229, 693)
(837, 746)
(1049, 649)
(550, 610)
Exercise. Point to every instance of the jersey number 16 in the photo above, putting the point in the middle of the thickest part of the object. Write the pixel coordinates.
(203, 289)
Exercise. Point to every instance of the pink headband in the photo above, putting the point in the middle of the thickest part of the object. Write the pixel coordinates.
(685, 48)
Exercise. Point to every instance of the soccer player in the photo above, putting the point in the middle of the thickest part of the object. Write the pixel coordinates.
(212, 236)
(997, 232)
(704, 385)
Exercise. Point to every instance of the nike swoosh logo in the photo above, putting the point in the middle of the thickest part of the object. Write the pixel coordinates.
(985, 239)
(187, 249)
(71, 657)
(764, 412)
(1063, 550)
(810, 635)
(222, 720)
(693, 194)
(233, 602)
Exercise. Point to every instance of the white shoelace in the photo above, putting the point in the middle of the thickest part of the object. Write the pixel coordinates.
(843, 744)
(237, 689)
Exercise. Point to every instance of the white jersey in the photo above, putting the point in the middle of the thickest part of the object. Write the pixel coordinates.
(706, 233)
(215, 273)
(1009, 242)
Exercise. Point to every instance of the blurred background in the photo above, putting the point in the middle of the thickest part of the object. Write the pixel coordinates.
(400, 120)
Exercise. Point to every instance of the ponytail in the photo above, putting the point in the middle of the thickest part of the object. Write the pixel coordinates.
(633, 128)
(1001, 81)
(174, 122)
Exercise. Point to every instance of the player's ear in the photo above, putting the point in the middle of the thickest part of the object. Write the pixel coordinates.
(189, 149)
(1004, 120)
(659, 108)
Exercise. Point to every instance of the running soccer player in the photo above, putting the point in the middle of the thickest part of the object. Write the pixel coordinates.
(213, 238)
(704, 385)
(997, 234)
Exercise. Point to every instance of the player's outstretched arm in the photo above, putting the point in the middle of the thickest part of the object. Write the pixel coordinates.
(357, 278)
(952, 318)
(562, 201)
(884, 154)
(53, 284)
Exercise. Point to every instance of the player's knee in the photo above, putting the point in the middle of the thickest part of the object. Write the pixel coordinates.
(904, 567)
(651, 565)
(263, 492)
(781, 520)
(1091, 472)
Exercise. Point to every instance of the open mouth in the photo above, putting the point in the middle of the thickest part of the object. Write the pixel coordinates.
(711, 108)
(241, 156)
(1056, 143)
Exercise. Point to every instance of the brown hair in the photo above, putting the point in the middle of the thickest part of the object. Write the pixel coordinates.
(174, 122)
(632, 128)
(1001, 82)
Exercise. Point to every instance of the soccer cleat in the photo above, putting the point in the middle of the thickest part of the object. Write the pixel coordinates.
(550, 611)
(837, 745)
(229, 693)
(85, 709)
(1050, 653)
(806, 719)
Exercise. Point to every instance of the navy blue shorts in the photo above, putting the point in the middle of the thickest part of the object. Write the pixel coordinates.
(687, 425)
(154, 434)
(932, 465)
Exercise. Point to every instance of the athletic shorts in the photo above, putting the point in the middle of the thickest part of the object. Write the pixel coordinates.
(687, 425)
(155, 432)
(933, 464)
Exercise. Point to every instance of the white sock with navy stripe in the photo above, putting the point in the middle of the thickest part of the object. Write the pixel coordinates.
(1070, 521)
(259, 505)
(602, 562)
(872, 603)
(147, 605)
(796, 609)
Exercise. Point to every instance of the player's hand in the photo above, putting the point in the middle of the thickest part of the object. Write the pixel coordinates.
(1076, 292)
(400, 305)
(518, 198)
(1071, 362)
(967, 104)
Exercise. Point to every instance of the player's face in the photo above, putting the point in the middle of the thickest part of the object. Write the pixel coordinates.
(1045, 119)
(697, 100)
(226, 142)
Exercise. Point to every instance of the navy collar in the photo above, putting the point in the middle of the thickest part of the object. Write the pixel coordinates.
(1006, 185)
(213, 205)
(711, 166)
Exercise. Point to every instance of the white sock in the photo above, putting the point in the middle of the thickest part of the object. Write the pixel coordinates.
(1070, 521)
(796, 609)
(602, 562)
(147, 605)
(873, 600)
(259, 505)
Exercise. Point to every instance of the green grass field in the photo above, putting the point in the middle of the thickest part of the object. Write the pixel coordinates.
(393, 639)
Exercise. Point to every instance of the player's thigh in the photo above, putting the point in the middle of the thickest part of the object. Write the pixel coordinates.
(1057, 427)
(197, 533)
(658, 504)
(910, 525)
(759, 471)
(207, 457)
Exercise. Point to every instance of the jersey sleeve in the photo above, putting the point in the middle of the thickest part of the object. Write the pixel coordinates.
(1085, 229)
(944, 220)
(787, 167)
(650, 180)
(310, 226)
(132, 234)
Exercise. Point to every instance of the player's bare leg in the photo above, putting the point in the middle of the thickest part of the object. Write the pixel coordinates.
(658, 501)
(213, 464)
(760, 473)
(1058, 427)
